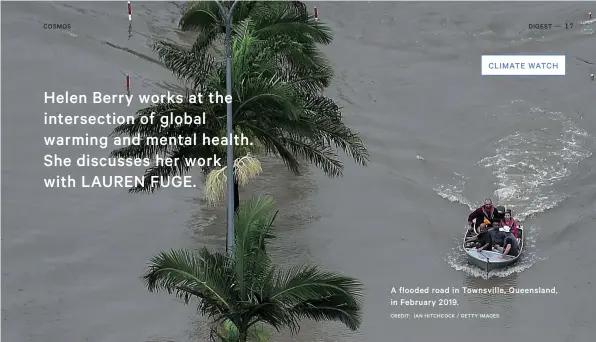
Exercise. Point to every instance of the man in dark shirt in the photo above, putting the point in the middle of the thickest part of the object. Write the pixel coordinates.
(497, 236)
(510, 245)
(484, 239)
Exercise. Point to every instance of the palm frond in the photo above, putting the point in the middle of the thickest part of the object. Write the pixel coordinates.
(252, 225)
(309, 292)
(192, 65)
(187, 275)
(292, 25)
(326, 117)
(246, 169)
(201, 16)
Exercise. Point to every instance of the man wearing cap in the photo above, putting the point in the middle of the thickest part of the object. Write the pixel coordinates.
(510, 242)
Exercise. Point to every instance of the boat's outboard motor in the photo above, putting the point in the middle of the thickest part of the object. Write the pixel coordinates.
(499, 215)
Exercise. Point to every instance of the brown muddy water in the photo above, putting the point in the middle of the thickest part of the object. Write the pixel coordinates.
(442, 138)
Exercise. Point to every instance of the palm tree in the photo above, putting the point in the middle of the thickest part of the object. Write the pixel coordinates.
(291, 33)
(247, 289)
(282, 113)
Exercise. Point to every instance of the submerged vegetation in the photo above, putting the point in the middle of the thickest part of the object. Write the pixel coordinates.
(245, 288)
(278, 80)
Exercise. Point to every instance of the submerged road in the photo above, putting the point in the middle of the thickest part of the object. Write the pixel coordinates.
(442, 138)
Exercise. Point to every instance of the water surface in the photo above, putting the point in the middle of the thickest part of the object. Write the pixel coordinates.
(442, 138)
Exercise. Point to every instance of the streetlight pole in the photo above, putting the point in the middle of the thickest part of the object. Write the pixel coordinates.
(227, 14)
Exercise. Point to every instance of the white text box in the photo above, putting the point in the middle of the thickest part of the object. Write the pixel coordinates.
(523, 65)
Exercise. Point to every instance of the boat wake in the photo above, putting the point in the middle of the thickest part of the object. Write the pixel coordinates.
(527, 165)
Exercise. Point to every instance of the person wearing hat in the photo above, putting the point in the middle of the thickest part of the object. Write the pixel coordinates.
(510, 244)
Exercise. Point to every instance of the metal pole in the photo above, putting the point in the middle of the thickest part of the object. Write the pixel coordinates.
(230, 130)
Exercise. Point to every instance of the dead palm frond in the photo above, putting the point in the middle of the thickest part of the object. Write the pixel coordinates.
(246, 169)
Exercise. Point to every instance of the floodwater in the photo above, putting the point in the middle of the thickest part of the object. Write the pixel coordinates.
(442, 138)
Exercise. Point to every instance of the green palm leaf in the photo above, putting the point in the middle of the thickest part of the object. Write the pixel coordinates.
(273, 107)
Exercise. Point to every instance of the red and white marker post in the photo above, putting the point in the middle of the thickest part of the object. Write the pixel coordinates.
(129, 11)
(590, 15)
(316, 14)
(127, 82)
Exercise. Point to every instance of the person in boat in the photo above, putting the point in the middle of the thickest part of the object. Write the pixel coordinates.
(497, 236)
(484, 215)
(510, 244)
(510, 222)
(483, 240)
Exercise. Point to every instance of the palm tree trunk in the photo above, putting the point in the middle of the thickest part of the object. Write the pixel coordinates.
(242, 336)
(236, 197)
